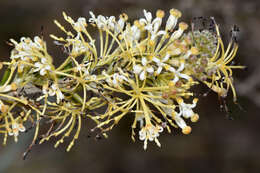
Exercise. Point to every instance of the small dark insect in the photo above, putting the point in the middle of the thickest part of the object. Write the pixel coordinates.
(224, 107)
(234, 33)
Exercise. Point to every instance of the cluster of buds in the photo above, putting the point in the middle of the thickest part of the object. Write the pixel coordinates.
(144, 70)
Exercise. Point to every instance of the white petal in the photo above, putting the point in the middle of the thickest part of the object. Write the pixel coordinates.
(180, 122)
(157, 23)
(42, 72)
(193, 105)
(159, 70)
(171, 69)
(137, 69)
(181, 67)
(114, 81)
(47, 67)
(148, 16)
(121, 78)
(150, 69)
(161, 33)
(60, 95)
(54, 87)
(187, 113)
(149, 27)
(144, 61)
(176, 34)
(156, 60)
(157, 142)
(171, 22)
(92, 15)
(167, 56)
(176, 78)
(121, 23)
(142, 135)
(184, 76)
(44, 60)
(187, 55)
(145, 144)
(142, 75)
(37, 64)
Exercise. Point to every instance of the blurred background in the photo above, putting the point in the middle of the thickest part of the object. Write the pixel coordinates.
(217, 144)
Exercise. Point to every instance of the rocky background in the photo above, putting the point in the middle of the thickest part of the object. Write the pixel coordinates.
(216, 144)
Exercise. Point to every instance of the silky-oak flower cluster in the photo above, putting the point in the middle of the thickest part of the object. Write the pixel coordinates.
(142, 71)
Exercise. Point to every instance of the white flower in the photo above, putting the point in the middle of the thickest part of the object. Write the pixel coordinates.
(150, 132)
(80, 24)
(141, 70)
(52, 91)
(38, 43)
(153, 26)
(78, 47)
(147, 20)
(119, 26)
(135, 32)
(156, 34)
(111, 22)
(186, 109)
(43, 67)
(173, 19)
(25, 44)
(15, 129)
(93, 18)
(131, 33)
(25, 49)
(20, 54)
(178, 74)
(177, 34)
(178, 119)
(161, 64)
(103, 22)
(116, 79)
(100, 21)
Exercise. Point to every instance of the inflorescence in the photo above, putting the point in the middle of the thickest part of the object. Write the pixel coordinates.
(142, 70)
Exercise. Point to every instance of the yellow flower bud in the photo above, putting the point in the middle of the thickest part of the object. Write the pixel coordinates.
(160, 13)
(186, 130)
(175, 13)
(183, 25)
(194, 118)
